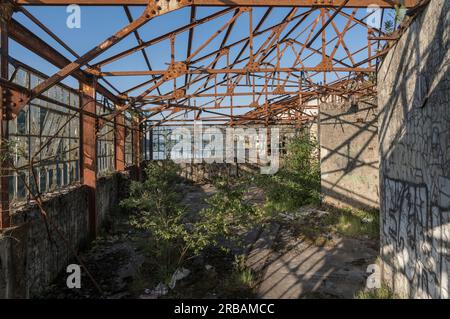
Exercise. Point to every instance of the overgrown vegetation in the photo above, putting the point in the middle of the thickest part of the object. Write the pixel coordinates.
(381, 293)
(229, 213)
(242, 278)
(297, 183)
(175, 237)
(357, 223)
(317, 226)
(295, 190)
(174, 234)
(156, 207)
(394, 19)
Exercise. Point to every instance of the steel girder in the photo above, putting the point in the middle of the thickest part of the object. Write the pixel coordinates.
(256, 65)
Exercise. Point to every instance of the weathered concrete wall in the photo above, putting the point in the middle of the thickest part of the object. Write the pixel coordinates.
(414, 108)
(108, 196)
(204, 172)
(38, 255)
(30, 256)
(349, 154)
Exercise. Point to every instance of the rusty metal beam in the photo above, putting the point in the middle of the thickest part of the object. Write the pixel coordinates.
(163, 37)
(139, 40)
(4, 167)
(264, 3)
(154, 98)
(57, 39)
(190, 40)
(324, 25)
(240, 71)
(88, 150)
(32, 42)
(136, 140)
(119, 143)
(220, 107)
(152, 10)
(67, 70)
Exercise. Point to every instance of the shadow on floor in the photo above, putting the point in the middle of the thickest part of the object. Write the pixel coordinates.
(296, 268)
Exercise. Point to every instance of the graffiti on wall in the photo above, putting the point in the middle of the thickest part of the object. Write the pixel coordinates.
(413, 94)
(415, 238)
(415, 206)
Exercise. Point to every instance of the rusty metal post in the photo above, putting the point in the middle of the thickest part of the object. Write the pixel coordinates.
(136, 140)
(150, 145)
(4, 195)
(119, 145)
(89, 150)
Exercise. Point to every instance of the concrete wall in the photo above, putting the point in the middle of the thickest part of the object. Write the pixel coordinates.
(30, 258)
(36, 255)
(414, 105)
(204, 172)
(208, 172)
(109, 192)
(349, 154)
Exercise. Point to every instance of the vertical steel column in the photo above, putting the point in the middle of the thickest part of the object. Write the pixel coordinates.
(89, 149)
(4, 195)
(119, 145)
(136, 140)
(150, 142)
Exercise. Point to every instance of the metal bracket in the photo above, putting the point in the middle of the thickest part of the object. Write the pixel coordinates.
(13, 100)
(279, 90)
(175, 70)
(252, 66)
(158, 7)
(180, 93)
(254, 105)
(323, 2)
(326, 65)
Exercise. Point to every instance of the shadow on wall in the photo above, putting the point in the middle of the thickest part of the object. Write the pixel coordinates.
(349, 153)
(414, 100)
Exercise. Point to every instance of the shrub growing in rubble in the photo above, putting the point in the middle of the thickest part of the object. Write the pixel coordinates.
(174, 234)
(297, 183)
(228, 213)
(156, 207)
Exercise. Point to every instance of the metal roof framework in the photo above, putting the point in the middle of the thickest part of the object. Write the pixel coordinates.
(210, 81)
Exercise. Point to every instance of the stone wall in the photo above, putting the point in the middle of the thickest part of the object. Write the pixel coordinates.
(414, 108)
(30, 256)
(349, 154)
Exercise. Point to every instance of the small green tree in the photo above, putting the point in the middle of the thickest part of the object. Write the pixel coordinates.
(156, 208)
(395, 19)
(228, 212)
(297, 182)
(175, 235)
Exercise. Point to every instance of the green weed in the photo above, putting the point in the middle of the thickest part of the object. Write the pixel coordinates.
(382, 293)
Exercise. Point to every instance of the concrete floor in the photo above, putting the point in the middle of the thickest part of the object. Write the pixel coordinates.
(286, 267)
(303, 270)
(292, 268)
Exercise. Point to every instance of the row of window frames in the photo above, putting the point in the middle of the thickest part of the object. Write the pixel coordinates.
(50, 178)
